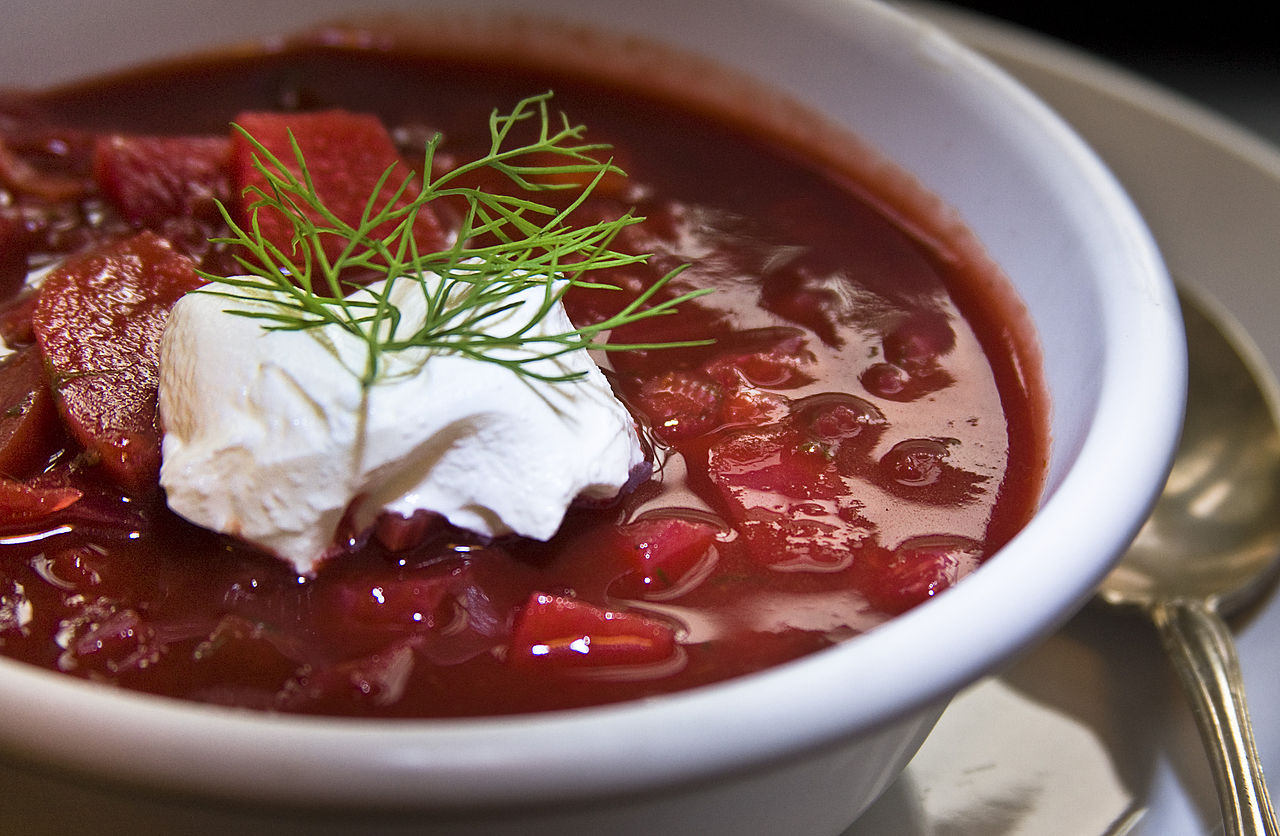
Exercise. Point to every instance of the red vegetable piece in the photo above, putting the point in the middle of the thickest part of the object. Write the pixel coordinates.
(681, 404)
(406, 604)
(919, 569)
(28, 419)
(786, 496)
(13, 254)
(664, 550)
(21, 503)
(771, 466)
(346, 154)
(154, 178)
(566, 634)
(98, 323)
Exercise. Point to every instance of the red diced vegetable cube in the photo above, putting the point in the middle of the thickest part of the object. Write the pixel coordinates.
(919, 569)
(786, 496)
(664, 550)
(98, 323)
(681, 404)
(405, 604)
(772, 465)
(345, 153)
(154, 178)
(565, 634)
(28, 420)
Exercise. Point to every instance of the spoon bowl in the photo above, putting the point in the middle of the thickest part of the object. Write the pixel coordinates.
(1212, 545)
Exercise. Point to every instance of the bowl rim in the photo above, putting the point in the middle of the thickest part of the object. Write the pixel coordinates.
(456, 764)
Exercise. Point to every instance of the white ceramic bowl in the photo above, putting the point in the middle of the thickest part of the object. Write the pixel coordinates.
(802, 748)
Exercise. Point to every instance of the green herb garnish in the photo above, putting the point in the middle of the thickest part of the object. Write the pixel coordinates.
(507, 244)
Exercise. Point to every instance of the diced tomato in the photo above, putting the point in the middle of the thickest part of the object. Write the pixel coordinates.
(98, 323)
(665, 550)
(565, 634)
(28, 419)
(346, 154)
(151, 179)
(21, 502)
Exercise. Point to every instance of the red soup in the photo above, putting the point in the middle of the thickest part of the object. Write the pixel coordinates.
(862, 429)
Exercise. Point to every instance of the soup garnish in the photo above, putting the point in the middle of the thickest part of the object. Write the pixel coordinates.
(471, 395)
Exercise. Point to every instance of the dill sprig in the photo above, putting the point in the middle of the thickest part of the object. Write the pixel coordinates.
(506, 245)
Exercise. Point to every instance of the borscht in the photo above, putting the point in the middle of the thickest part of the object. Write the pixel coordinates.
(835, 411)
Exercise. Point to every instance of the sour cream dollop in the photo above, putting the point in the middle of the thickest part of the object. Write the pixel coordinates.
(270, 437)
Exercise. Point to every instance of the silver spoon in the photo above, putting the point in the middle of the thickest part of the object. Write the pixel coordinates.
(1211, 547)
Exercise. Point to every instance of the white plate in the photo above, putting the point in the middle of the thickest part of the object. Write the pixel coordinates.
(1088, 734)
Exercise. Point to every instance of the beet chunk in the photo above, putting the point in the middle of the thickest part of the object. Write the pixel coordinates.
(28, 421)
(154, 178)
(565, 634)
(346, 154)
(98, 323)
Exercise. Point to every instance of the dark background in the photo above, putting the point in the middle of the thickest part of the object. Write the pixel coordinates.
(1225, 54)
(1229, 33)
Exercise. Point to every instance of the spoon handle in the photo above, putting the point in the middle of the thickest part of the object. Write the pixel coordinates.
(1202, 650)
